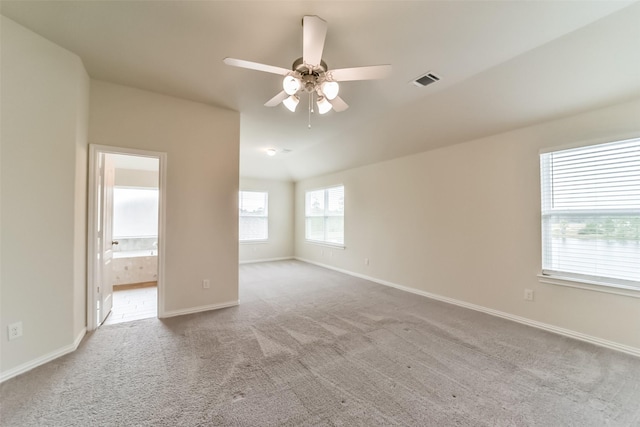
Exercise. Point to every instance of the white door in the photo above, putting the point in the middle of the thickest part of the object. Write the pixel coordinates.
(105, 236)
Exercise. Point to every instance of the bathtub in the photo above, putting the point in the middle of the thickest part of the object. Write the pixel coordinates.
(130, 267)
(134, 254)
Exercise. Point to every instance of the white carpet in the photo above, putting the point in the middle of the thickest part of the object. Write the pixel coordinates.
(313, 347)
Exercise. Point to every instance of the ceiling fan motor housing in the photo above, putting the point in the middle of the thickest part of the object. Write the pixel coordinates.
(311, 76)
(302, 68)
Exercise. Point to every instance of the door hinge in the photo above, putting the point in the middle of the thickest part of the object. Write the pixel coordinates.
(98, 289)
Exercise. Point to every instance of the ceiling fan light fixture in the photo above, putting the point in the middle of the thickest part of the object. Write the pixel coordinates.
(330, 89)
(291, 85)
(324, 106)
(271, 152)
(311, 74)
(291, 103)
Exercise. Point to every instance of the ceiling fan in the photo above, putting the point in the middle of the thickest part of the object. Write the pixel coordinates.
(310, 73)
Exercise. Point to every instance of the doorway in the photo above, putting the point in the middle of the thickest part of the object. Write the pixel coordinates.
(126, 217)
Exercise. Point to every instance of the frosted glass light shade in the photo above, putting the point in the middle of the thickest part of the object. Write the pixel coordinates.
(291, 103)
(291, 85)
(330, 89)
(324, 106)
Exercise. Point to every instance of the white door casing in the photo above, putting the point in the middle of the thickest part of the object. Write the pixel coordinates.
(99, 247)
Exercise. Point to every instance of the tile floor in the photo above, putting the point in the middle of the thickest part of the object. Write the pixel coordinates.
(133, 304)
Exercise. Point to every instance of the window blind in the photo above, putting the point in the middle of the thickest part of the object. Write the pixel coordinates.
(591, 213)
(254, 215)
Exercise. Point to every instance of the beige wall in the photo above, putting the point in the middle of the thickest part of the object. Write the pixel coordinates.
(202, 146)
(280, 243)
(47, 118)
(44, 111)
(463, 222)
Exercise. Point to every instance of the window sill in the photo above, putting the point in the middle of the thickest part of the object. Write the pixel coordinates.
(604, 287)
(253, 242)
(329, 245)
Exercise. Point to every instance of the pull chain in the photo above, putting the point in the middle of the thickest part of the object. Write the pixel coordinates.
(310, 108)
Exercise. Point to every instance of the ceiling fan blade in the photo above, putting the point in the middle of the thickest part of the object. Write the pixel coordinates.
(372, 72)
(256, 66)
(338, 104)
(276, 100)
(314, 31)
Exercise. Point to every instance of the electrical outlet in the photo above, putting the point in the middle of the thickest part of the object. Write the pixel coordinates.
(528, 294)
(206, 284)
(366, 261)
(15, 330)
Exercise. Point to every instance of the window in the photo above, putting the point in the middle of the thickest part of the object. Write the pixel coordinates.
(135, 212)
(591, 213)
(324, 215)
(254, 216)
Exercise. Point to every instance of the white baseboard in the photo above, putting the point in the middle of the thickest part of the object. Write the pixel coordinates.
(20, 369)
(251, 261)
(199, 309)
(534, 323)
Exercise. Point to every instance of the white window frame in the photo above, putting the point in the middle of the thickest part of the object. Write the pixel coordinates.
(265, 217)
(549, 274)
(325, 216)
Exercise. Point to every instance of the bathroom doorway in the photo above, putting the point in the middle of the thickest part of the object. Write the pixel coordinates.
(125, 275)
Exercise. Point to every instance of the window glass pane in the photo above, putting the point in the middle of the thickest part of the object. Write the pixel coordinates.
(604, 246)
(335, 229)
(314, 203)
(254, 221)
(253, 228)
(135, 212)
(605, 176)
(253, 203)
(335, 200)
(315, 228)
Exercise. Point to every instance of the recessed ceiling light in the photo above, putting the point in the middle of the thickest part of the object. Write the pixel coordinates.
(271, 151)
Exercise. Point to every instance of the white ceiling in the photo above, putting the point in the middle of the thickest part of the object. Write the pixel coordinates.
(504, 65)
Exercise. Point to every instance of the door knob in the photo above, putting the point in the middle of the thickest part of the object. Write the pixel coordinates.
(114, 242)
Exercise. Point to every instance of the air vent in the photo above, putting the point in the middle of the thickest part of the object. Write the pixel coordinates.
(426, 79)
